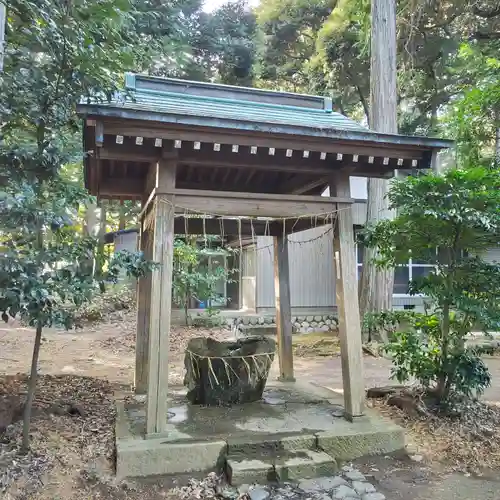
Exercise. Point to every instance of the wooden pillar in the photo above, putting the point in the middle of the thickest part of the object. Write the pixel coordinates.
(161, 301)
(283, 307)
(347, 301)
(143, 309)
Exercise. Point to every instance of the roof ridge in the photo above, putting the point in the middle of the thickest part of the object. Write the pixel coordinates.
(242, 102)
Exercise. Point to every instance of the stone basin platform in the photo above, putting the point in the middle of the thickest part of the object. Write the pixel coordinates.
(297, 431)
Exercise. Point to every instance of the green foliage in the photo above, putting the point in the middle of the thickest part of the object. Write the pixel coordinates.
(448, 221)
(387, 322)
(418, 354)
(223, 45)
(192, 277)
(46, 266)
(324, 46)
(114, 298)
(58, 52)
(209, 319)
(288, 32)
(475, 118)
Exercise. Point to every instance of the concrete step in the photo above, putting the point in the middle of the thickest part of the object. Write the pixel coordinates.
(278, 466)
(254, 445)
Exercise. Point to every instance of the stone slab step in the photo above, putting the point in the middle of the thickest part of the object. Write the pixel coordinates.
(282, 466)
(255, 445)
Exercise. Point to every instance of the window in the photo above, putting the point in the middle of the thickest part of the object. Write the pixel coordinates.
(402, 275)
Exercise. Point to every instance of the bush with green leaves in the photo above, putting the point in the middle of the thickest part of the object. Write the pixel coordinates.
(448, 221)
(417, 353)
(384, 324)
(56, 52)
(192, 278)
(116, 297)
(47, 270)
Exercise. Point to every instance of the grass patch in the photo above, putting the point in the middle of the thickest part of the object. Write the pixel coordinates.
(315, 344)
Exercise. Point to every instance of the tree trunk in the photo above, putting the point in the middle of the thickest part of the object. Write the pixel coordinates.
(101, 235)
(31, 390)
(443, 386)
(102, 224)
(497, 137)
(90, 223)
(186, 312)
(121, 217)
(3, 19)
(376, 284)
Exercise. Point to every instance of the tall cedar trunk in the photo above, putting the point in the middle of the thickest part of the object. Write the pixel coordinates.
(31, 389)
(376, 284)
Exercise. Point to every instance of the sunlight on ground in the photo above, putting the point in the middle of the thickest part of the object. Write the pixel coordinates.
(316, 344)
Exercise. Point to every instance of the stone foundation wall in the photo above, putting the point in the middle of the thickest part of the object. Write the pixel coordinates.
(301, 324)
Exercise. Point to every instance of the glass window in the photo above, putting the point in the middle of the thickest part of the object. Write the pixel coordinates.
(401, 279)
(402, 274)
(359, 253)
(420, 271)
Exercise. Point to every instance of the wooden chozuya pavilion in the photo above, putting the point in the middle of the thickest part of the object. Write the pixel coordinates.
(255, 162)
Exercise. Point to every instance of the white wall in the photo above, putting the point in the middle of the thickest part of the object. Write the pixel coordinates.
(126, 241)
(312, 276)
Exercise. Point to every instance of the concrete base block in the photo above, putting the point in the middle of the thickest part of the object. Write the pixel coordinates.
(150, 457)
(272, 442)
(349, 446)
(255, 442)
(248, 471)
(305, 464)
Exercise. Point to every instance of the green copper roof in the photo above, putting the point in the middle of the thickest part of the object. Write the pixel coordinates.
(251, 109)
(182, 102)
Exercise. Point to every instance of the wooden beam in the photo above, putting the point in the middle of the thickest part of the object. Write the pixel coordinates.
(121, 187)
(161, 303)
(143, 319)
(297, 185)
(283, 308)
(145, 204)
(253, 204)
(347, 302)
(224, 136)
(141, 157)
(209, 158)
(243, 227)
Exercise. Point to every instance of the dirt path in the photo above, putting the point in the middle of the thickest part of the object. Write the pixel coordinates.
(403, 479)
(107, 353)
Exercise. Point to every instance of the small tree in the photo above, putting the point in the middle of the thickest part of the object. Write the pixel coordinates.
(448, 221)
(193, 279)
(44, 271)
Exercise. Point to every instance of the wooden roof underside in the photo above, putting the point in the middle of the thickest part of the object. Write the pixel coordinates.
(119, 154)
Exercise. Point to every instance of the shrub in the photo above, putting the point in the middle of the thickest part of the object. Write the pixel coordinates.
(446, 221)
(114, 298)
(387, 322)
(418, 354)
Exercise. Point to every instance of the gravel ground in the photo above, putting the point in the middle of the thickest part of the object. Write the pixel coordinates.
(350, 483)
